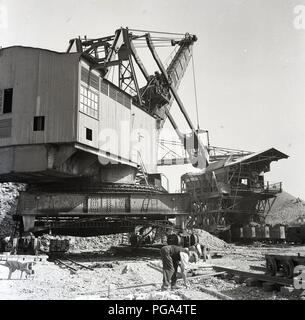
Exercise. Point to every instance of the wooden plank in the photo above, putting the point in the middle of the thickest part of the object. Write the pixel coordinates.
(155, 267)
(258, 268)
(215, 293)
(81, 265)
(66, 265)
(206, 275)
(262, 277)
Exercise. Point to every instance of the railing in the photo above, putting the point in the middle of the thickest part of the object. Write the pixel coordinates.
(259, 188)
(267, 187)
(273, 187)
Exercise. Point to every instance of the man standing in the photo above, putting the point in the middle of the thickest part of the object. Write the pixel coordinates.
(172, 256)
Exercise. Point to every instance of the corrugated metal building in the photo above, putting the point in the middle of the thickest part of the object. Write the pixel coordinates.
(54, 111)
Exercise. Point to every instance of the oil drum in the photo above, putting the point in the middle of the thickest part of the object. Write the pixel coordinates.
(185, 240)
(194, 239)
(173, 239)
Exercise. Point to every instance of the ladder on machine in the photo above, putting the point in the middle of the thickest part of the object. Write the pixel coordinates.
(144, 175)
(142, 170)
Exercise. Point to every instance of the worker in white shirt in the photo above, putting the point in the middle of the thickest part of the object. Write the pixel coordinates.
(172, 256)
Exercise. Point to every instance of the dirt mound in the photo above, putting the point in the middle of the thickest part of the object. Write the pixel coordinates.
(96, 243)
(207, 239)
(9, 193)
(286, 209)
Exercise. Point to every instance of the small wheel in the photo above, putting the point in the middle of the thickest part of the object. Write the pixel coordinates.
(186, 241)
(271, 266)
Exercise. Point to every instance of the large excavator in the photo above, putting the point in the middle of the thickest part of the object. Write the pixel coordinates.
(160, 90)
(89, 209)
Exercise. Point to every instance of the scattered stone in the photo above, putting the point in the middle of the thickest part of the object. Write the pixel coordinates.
(287, 290)
(210, 241)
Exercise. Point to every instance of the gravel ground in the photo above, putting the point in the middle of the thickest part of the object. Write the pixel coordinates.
(113, 271)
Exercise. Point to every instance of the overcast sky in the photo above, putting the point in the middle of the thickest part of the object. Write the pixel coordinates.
(249, 58)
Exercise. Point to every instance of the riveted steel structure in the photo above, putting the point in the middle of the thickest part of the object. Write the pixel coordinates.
(57, 110)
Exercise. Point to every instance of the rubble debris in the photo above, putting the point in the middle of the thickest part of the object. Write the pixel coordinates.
(210, 241)
(96, 243)
(53, 283)
(286, 210)
(100, 243)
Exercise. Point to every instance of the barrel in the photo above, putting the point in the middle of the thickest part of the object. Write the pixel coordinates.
(173, 239)
(194, 239)
(185, 240)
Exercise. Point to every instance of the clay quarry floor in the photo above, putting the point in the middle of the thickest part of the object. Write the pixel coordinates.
(116, 269)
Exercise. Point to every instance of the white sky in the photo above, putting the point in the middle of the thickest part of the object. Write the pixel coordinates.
(249, 57)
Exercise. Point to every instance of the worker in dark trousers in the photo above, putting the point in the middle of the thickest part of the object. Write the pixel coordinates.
(172, 256)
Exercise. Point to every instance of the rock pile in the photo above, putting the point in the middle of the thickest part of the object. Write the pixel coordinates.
(102, 243)
(207, 239)
(95, 243)
(287, 210)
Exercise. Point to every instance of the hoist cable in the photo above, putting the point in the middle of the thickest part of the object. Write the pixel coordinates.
(195, 90)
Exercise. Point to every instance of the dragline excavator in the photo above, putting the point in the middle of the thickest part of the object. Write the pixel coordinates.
(160, 90)
(78, 187)
(97, 199)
